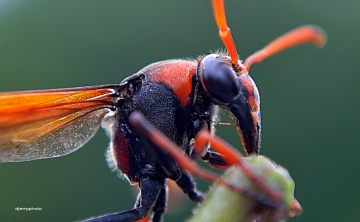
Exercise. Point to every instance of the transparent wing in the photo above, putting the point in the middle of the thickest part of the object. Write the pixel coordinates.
(51, 123)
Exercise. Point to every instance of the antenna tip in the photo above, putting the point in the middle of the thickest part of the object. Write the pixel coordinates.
(319, 36)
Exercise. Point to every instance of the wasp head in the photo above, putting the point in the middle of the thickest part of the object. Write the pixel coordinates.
(233, 89)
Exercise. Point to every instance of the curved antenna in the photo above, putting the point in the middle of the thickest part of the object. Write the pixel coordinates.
(303, 34)
(224, 30)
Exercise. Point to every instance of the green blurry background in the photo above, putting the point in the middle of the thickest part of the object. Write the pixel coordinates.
(310, 97)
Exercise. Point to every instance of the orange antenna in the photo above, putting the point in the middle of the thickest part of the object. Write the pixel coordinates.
(303, 34)
(224, 30)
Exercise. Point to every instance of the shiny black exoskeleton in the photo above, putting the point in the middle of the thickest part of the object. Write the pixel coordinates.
(179, 98)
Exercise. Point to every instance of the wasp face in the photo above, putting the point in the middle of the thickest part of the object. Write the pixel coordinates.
(234, 91)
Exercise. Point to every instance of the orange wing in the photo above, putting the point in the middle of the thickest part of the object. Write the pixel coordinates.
(51, 123)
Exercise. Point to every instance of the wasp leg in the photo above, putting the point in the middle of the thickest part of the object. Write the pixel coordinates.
(215, 159)
(187, 185)
(171, 169)
(150, 191)
(160, 206)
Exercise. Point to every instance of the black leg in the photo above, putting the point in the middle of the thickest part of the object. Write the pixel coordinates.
(187, 184)
(150, 190)
(160, 206)
(215, 159)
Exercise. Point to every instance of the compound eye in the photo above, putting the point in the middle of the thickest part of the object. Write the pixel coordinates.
(218, 78)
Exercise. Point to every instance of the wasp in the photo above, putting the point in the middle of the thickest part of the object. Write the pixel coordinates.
(179, 97)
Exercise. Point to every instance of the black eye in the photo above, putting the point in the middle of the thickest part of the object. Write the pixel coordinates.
(218, 78)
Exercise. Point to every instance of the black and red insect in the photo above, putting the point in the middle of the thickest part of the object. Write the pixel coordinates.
(179, 97)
